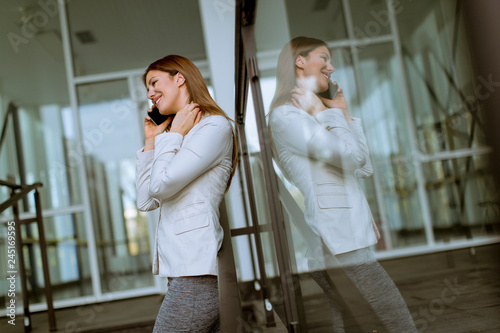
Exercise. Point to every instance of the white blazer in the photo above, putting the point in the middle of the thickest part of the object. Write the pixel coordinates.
(323, 156)
(186, 177)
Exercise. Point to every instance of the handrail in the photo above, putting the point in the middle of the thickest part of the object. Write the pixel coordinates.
(10, 109)
(18, 195)
(18, 192)
(10, 184)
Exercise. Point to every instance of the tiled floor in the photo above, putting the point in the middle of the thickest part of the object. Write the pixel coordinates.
(468, 280)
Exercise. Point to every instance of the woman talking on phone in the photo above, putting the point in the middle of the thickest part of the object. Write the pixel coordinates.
(184, 169)
(321, 149)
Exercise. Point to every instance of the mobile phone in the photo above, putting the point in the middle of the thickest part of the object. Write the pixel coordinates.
(329, 93)
(156, 116)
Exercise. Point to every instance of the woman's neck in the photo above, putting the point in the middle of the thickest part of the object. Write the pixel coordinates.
(183, 99)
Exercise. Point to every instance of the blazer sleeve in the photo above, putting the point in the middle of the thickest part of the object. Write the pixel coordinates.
(326, 137)
(357, 128)
(174, 167)
(144, 162)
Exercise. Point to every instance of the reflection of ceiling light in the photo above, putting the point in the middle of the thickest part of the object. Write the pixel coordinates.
(85, 37)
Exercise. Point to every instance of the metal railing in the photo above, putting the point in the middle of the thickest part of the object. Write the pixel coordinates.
(19, 192)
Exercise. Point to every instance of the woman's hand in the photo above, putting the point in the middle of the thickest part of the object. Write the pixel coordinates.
(151, 130)
(337, 103)
(186, 119)
(308, 101)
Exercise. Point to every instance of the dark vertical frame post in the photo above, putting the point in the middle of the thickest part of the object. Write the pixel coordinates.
(45, 264)
(290, 287)
(231, 315)
(483, 25)
(241, 83)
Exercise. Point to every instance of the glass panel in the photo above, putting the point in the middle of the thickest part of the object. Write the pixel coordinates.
(387, 133)
(342, 60)
(50, 155)
(136, 32)
(308, 255)
(462, 198)
(462, 204)
(442, 84)
(111, 136)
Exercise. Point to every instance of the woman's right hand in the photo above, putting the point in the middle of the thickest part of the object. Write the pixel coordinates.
(306, 100)
(338, 102)
(186, 119)
(151, 130)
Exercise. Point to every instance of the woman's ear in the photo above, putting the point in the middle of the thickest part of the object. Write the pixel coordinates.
(300, 62)
(179, 79)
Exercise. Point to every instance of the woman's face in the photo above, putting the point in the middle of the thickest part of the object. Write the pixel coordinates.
(317, 67)
(164, 91)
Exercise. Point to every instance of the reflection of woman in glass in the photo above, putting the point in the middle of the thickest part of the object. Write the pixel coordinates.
(322, 150)
(185, 172)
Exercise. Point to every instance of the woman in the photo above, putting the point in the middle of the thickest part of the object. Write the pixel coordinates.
(322, 150)
(185, 172)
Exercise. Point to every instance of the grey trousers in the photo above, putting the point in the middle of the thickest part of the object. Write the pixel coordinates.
(377, 288)
(190, 305)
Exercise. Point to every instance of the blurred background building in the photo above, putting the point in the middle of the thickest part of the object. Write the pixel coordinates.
(70, 74)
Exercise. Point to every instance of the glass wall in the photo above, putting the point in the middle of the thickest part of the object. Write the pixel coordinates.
(406, 72)
(448, 121)
(411, 83)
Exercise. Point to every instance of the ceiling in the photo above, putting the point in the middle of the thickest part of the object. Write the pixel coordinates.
(129, 34)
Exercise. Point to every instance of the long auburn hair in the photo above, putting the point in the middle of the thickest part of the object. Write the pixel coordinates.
(285, 73)
(197, 90)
